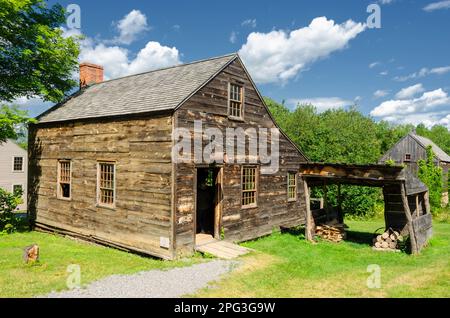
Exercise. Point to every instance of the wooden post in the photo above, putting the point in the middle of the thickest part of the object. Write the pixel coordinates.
(417, 206)
(340, 215)
(325, 200)
(412, 235)
(426, 198)
(309, 223)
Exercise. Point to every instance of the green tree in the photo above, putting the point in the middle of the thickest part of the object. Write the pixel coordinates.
(431, 175)
(35, 58)
(13, 122)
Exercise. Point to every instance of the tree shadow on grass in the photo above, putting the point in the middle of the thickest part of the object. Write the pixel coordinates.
(364, 238)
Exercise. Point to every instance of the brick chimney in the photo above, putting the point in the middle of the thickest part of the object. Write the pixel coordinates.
(90, 74)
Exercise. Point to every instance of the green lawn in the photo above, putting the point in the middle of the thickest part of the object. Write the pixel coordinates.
(285, 265)
(18, 279)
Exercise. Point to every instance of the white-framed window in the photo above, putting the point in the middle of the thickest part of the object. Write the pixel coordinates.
(64, 179)
(407, 157)
(249, 181)
(17, 164)
(17, 187)
(292, 186)
(106, 184)
(236, 101)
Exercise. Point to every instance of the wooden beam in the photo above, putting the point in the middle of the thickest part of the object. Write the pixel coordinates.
(412, 235)
(309, 221)
(339, 199)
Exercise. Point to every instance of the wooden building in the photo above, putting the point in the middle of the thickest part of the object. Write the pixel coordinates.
(406, 204)
(412, 148)
(101, 164)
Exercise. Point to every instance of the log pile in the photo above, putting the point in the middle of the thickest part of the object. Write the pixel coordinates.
(332, 233)
(388, 240)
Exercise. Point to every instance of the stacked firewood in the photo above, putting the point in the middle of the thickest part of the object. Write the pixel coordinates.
(332, 233)
(388, 240)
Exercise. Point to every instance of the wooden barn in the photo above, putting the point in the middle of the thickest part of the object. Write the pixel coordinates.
(101, 164)
(412, 148)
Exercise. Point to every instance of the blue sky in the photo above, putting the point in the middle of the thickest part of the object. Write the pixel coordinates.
(318, 51)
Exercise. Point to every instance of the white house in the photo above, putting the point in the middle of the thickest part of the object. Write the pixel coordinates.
(13, 169)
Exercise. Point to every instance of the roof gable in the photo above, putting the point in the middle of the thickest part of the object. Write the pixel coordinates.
(153, 91)
(425, 142)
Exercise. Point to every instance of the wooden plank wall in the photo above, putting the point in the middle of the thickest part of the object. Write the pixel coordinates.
(423, 230)
(142, 151)
(210, 105)
(394, 212)
(407, 145)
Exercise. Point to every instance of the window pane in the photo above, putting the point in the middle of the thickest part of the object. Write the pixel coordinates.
(18, 163)
(248, 186)
(106, 183)
(64, 179)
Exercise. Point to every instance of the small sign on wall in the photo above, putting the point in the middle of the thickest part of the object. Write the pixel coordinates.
(164, 242)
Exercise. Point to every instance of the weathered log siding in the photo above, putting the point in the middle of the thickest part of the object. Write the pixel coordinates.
(141, 149)
(211, 105)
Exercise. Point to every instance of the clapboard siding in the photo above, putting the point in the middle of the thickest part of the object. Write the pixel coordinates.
(141, 149)
(273, 210)
(8, 177)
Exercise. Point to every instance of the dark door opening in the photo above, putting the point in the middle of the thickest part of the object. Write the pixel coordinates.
(208, 200)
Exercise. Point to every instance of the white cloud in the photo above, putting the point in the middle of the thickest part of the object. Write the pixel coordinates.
(385, 1)
(410, 91)
(323, 103)
(429, 101)
(279, 56)
(117, 62)
(233, 37)
(384, 73)
(437, 6)
(445, 121)
(381, 93)
(249, 22)
(176, 27)
(131, 25)
(372, 65)
(424, 72)
(431, 108)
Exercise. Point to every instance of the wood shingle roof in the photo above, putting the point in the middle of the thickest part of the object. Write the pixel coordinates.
(158, 90)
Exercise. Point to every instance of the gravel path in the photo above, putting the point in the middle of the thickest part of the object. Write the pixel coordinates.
(154, 283)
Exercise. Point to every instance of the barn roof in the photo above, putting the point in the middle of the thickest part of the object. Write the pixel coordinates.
(425, 142)
(158, 90)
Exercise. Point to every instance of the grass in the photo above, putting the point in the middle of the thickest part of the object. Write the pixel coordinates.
(285, 265)
(18, 279)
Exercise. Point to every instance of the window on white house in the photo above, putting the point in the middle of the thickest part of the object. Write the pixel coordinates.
(249, 186)
(106, 183)
(64, 179)
(292, 186)
(17, 188)
(18, 164)
(408, 157)
(235, 106)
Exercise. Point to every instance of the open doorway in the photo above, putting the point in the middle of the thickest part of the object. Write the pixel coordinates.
(209, 201)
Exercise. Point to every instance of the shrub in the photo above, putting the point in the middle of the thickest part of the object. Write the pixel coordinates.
(8, 203)
(431, 175)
